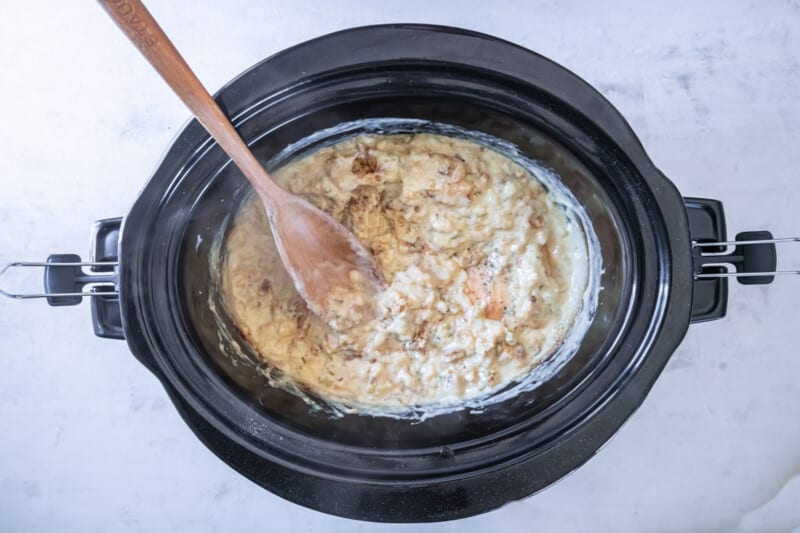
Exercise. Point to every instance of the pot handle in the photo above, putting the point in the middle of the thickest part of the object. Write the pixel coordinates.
(753, 258)
(65, 279)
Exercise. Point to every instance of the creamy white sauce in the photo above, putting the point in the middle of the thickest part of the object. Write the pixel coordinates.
(487, 269)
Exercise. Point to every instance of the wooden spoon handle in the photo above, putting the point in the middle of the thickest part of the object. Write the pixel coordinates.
(138, 24)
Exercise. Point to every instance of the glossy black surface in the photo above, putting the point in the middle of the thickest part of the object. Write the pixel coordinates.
(462, 429)
(754, 257)
(63, 279)
(106, 313)
(707, 224)
(455, 465)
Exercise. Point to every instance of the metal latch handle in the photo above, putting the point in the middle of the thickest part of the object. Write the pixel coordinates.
(754, 258)
(64, 279)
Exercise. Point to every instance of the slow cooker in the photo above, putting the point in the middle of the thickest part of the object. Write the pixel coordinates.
(666, 263)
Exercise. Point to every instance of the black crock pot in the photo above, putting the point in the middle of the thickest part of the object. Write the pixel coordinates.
(448, 466)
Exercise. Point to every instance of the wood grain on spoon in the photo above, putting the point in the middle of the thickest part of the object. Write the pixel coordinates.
(331, 270)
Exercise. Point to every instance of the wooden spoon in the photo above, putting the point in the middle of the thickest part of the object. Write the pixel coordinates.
(331, 270)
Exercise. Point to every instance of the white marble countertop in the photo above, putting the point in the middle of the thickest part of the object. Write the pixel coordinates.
(89, 440)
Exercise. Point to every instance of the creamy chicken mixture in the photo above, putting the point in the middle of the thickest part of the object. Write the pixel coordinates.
(485, 274)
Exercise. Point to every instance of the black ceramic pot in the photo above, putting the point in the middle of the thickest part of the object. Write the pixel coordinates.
(448, 466)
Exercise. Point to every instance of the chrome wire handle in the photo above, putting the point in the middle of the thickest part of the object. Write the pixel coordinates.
(737, 258)
(77, 278)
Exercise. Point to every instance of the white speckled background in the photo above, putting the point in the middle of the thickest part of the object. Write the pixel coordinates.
(88, 439)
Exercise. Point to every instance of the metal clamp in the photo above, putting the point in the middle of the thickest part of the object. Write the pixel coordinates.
(754, 258)
(64, 279)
